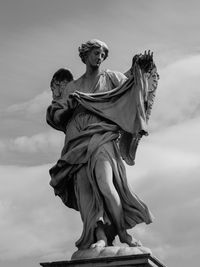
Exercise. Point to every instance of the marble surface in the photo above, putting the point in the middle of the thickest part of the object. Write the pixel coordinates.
(110, 251)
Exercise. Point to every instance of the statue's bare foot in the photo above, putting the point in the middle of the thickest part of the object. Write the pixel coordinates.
(99, 244)
(126, 238)
(100, 237)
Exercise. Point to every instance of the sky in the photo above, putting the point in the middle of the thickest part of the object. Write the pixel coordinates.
(40, 36)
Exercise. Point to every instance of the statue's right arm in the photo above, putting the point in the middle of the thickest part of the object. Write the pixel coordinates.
(61, 110)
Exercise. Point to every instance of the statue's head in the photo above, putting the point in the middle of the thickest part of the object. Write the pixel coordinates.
(87, 47)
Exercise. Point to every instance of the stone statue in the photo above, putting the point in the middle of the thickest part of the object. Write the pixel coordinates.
(103, 114)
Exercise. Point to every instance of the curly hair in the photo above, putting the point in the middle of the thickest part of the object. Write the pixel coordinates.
(85, 48)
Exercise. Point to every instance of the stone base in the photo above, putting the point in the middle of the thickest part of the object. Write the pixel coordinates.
(110, 251)
(138, 260)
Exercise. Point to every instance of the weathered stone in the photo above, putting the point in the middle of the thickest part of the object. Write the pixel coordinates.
(90, 175)
(109, 251)
(139, 260)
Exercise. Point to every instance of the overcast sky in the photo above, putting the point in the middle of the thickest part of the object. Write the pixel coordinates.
(40, 36)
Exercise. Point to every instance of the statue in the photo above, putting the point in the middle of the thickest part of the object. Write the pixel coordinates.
(103, 114)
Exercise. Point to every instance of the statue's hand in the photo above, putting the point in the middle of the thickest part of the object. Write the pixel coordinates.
(56, 93)
(58, 88)
(144, 61)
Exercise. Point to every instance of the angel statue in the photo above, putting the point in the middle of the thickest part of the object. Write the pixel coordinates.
(103, 114)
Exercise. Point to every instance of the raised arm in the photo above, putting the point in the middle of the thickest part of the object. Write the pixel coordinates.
(150, 76)
(145, 62)
(145, 65)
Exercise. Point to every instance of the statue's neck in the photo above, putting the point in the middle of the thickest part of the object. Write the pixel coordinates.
(92, 72)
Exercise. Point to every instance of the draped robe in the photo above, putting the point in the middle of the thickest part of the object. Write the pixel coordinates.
(92, 123)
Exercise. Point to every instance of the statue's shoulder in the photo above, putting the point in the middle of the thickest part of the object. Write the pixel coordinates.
(116, 77)
(73, 86)
(70, 88)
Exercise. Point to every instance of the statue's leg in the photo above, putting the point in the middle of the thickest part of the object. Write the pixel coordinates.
(104, 177)
(84, 194)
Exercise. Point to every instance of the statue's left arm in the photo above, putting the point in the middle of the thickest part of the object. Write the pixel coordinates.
(148, 80)
(149, 75)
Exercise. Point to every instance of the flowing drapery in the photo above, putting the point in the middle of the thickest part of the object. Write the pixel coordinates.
(92, 131)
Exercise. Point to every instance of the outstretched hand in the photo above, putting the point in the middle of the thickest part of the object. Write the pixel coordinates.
(145, 61)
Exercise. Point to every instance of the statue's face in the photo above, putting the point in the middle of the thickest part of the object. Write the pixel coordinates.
(95, 57)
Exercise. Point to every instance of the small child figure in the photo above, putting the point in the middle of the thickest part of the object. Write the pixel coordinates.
(59, 82)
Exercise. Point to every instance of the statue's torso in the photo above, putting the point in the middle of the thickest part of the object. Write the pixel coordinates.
(106, 81)
(81, 118)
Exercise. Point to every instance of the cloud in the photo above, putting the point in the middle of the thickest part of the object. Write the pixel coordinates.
(42, 142)
(166, 177)
(35, 105)
(178, 94)
(32, 150)
(31, 216)
(25, 118)
(174, 199)
(25, 136)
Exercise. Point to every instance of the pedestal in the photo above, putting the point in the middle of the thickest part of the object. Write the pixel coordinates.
(140, 260)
